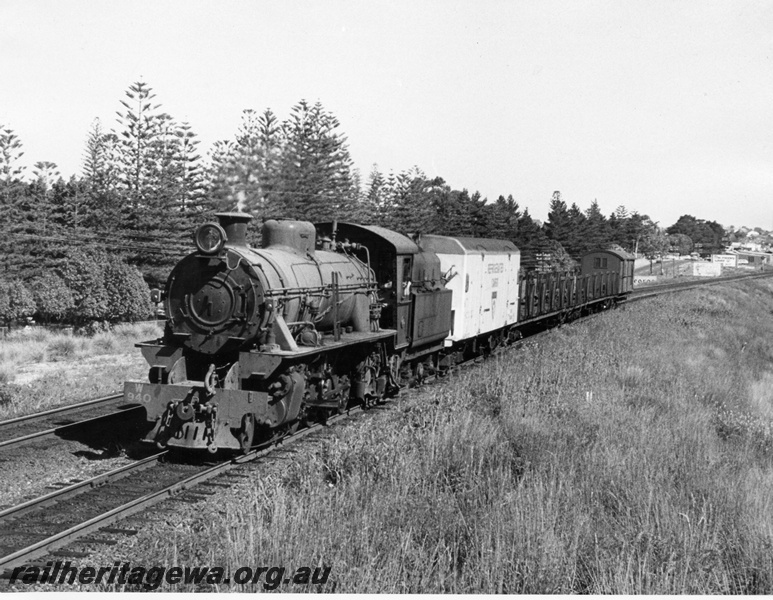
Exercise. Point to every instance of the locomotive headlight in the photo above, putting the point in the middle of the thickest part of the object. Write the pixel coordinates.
(210, 238)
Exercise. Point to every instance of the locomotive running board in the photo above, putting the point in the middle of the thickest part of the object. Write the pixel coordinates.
(263, 364)
(347, 339)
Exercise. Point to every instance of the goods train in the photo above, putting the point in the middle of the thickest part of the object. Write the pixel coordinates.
(260, 340)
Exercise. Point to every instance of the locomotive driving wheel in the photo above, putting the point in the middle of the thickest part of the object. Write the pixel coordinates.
(371, 392)
(344, 387)
(395, 368)
(283, 431)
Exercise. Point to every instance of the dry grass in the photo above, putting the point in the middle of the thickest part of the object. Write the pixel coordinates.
(40, 368)
(626, 454)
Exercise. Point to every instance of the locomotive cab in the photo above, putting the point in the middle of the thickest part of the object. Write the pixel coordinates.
(392, 256)
(416, 303)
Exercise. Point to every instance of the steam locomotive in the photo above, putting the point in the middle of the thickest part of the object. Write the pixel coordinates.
(259, 340)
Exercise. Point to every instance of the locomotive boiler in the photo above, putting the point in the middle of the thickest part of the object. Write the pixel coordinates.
(256, 338)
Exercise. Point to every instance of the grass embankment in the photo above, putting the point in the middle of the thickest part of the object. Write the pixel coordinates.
(40, 369)
(628, 454)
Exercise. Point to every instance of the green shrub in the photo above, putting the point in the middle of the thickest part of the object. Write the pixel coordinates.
(62, 348)
(105, 342)
(6, 374)
(84, 275)
(16, 301)
(104, 288)
(53, 298)
(128, 294)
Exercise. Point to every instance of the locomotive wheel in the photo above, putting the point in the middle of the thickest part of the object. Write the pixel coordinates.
(343, 394)
(395, 368)
(371, 397)
(247, 433)
(343, 401)
(283, 431)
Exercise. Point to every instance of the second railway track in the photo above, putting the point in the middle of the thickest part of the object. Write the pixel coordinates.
(62, 419)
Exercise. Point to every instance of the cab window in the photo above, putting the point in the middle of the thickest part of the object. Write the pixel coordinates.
(404, 272)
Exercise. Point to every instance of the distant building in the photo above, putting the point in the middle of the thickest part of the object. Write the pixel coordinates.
(742, 256)
(726, 260)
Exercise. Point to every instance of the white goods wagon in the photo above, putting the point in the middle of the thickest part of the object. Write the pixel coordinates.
(483, 275)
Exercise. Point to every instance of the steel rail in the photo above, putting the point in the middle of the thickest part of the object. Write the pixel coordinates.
(76, 488)
(54, 430)
(651, 292)
(673, 286)
(60, 409)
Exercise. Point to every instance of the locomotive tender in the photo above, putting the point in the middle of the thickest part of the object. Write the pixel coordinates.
(259, 340)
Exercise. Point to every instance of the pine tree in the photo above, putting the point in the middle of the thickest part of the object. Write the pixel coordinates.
(617, 221)
(315, 178)
(139, 124)
(270, 146)
(161, 182)
(409, 208)
(373, 203)
(505, 214)
(10, 170)
(558, 227)
(13, 195)
(192, 185)
(531, 240)
(101, 178)
(222, 177)
(598, 233)
(45, 173)
(574, 242)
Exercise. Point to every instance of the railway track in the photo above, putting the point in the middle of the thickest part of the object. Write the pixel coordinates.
(657, 290)
(34, 529)
(38, 528)
(60, 420)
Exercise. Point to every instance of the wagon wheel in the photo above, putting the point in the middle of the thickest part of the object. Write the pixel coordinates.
(419, 374)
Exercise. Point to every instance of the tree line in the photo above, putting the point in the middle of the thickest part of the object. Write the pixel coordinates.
(145, 186)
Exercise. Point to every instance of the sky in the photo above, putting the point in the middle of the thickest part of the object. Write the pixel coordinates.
(661, 106)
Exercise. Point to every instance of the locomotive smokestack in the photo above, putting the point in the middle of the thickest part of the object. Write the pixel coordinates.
(235, 226)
